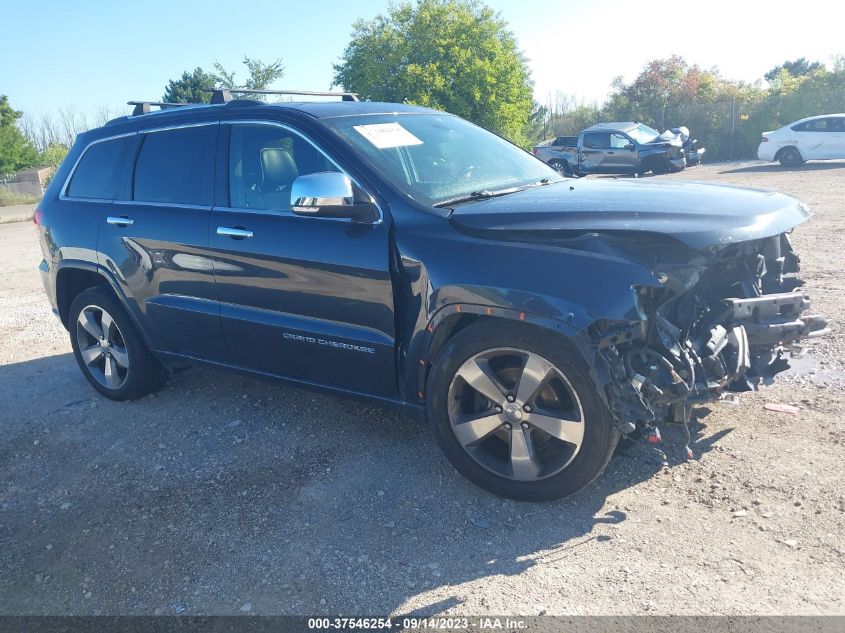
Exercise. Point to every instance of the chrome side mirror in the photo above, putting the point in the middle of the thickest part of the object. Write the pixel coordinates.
(331, 194)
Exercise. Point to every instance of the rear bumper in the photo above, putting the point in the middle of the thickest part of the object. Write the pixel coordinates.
(767, 151)
(47, 282)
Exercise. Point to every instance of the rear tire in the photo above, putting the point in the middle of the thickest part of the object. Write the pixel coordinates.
(790, 157)
(529, 448)
(109, 349)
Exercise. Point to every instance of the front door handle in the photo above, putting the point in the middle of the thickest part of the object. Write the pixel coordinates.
(235, 232)
(120, 221)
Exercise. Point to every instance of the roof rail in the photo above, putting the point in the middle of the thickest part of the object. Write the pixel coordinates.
(222, 95)
(143, 107)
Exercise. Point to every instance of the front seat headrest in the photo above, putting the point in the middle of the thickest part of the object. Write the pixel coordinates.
(277, 168)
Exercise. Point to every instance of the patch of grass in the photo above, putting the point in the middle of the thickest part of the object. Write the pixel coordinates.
(9, 199)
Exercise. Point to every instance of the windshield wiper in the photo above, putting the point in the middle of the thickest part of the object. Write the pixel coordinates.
(474, 195)
(486, 193)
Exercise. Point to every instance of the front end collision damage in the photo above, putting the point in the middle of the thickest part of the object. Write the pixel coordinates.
(724, 321)
(693, 325)
(674, 296)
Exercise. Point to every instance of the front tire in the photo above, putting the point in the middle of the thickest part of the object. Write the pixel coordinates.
(660, 166)
(517, 416)
(109, 349)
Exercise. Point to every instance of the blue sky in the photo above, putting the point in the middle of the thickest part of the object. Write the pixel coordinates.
(94, 53)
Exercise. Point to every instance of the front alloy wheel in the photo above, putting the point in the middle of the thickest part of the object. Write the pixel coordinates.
(517, 411)
(516, 414)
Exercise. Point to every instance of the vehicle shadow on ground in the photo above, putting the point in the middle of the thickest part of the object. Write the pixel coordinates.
(777, 167)
(223, 494)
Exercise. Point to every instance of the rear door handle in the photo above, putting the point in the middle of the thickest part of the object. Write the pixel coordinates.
(235, 232)
(120, 221)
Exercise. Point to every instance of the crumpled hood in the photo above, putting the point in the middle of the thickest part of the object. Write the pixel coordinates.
(697, 214)
(668, 138)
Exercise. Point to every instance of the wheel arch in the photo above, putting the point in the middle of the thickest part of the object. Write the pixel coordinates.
(456, 317)
(74, 277)
(784, 148)
(652, 160)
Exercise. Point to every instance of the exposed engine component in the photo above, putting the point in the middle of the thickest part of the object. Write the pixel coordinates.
(727, 325)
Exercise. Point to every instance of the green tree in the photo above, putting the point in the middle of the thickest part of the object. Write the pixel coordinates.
(565, 115)
(453, 55)
(797, 68)
(191, 87)
(260, 75)
(670, 92)
(662, 83)
(16, 152)
(52, 156)
(792, 97)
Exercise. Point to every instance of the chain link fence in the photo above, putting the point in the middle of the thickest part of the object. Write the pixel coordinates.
(725, 128)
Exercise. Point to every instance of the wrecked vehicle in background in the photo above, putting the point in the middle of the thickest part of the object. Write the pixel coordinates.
(406, 256)
(620, 148)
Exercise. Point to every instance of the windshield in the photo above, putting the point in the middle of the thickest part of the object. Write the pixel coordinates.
(643, 134)
(439, 157)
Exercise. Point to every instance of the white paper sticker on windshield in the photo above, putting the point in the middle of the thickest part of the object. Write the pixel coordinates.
(385, 135)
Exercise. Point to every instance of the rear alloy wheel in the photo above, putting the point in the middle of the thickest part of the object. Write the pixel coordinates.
(790, 157)
(562, 167)
(102, 347)
(517, 416)
(108, 348)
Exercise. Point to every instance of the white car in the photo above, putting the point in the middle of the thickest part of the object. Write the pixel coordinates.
(816, 137)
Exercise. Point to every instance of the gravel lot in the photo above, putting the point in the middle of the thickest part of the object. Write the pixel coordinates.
(226, 495)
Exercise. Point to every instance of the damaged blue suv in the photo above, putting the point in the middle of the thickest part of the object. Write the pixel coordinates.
(404, 255)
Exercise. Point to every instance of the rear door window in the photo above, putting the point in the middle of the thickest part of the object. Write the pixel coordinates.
(102, 172)
(176, 166)
(597, 140)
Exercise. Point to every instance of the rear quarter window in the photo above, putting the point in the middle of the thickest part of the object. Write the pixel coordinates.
(176, 166)
(816, 125)
(100, 174)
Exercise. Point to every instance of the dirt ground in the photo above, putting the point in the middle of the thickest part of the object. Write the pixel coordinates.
(226, 495)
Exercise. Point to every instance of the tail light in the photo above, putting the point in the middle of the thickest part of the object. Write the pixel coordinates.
(764, 139)
(36, 217)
